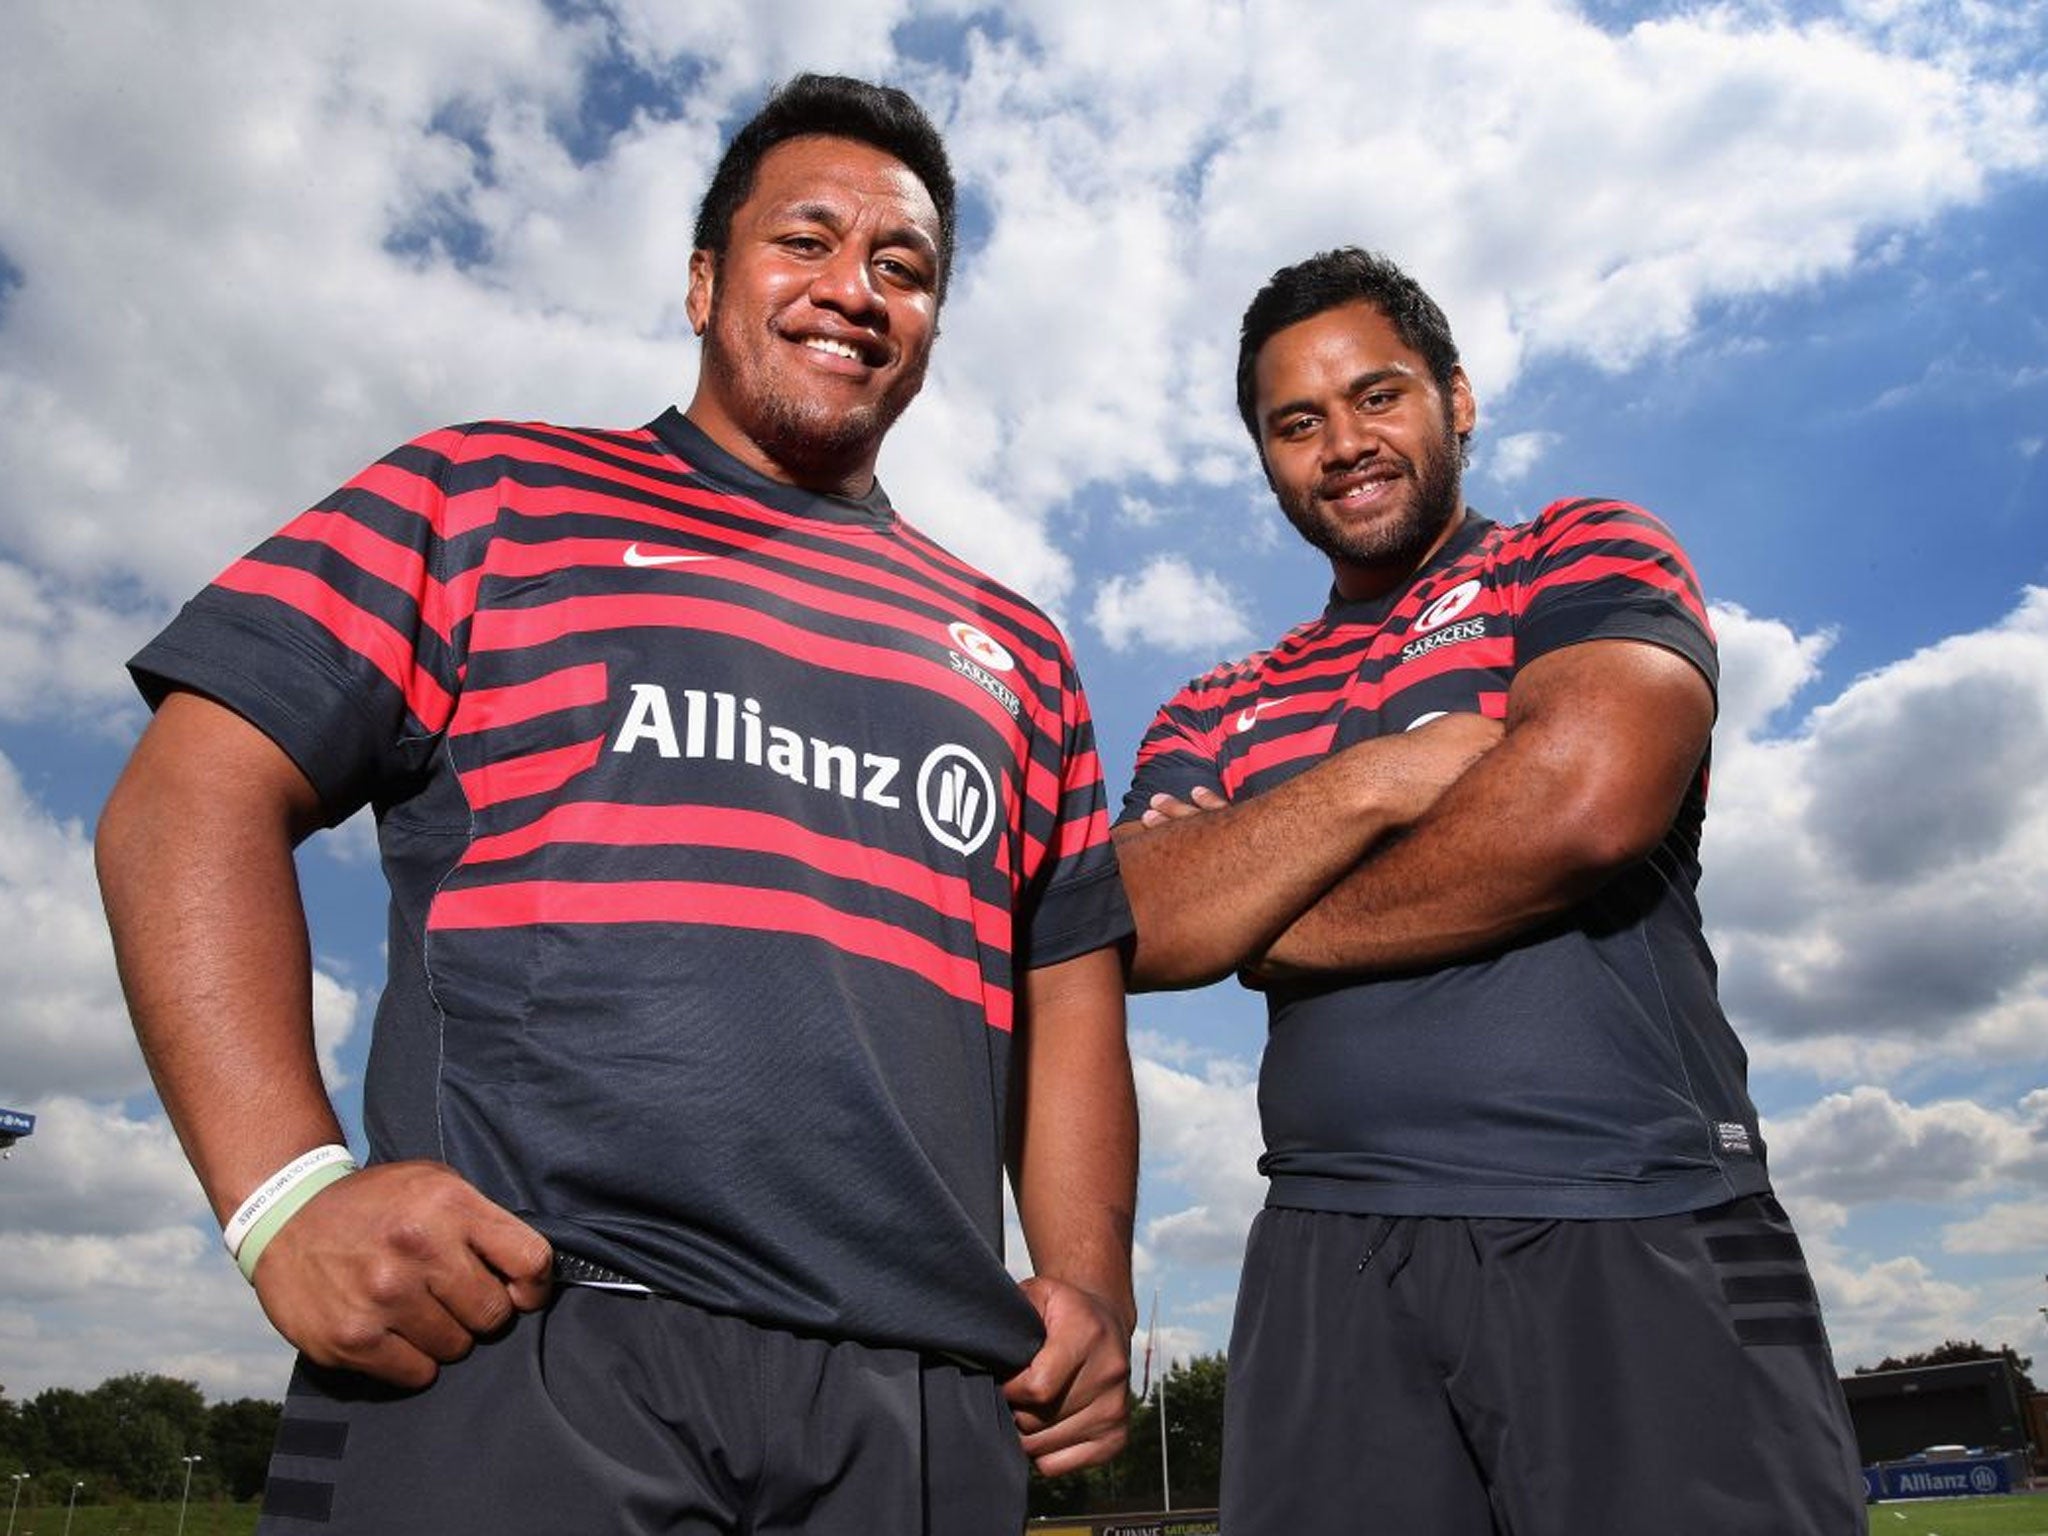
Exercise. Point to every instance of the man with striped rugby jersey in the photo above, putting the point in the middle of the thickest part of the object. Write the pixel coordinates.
(752, 907)
(1519, 1268)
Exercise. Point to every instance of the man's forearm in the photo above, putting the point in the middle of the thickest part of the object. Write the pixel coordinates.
(1211, 890)
(1075, 1149)
(1603, 740)
(195, 859)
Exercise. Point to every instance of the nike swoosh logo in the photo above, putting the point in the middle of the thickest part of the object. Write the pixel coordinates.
(1247, 718)
(634, 557)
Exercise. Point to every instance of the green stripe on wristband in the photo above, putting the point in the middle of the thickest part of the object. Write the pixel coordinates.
(259, 1236)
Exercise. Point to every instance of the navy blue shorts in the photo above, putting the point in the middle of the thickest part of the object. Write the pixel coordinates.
(613, 1412)
(1431, 1376)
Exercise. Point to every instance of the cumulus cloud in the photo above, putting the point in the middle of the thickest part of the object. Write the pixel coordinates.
(280, 247)
(1866, 1145)
(65, 1028)
(2010, 1227)
(1874, 875)
(61, 652)
(1171, 606)
(167, 1301)
(1202, 1138)
(1515, 455)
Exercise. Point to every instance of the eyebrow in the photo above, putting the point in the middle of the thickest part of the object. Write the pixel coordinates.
(1362, 382)
(905, 233)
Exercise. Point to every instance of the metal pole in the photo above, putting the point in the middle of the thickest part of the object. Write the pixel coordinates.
(187, 1498)
(1165, 1477)
(72, 1508)
(19, 1479)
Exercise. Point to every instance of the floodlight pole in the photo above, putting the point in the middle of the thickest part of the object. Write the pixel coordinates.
(71, 1508)
(187, 1498)
(1165, 1477)
(19, 1479)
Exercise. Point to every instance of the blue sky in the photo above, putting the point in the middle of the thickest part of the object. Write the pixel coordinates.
(1776, 272)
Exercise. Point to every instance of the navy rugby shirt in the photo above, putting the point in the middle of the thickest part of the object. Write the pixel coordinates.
(720, 819)
(1586, 1070)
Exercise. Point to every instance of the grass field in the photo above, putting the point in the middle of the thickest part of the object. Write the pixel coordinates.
(2020, 1515)
(138, 1520)
(2023, 1514)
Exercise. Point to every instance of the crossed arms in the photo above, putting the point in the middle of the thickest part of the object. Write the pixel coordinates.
(1427, 847)
(397, 1269)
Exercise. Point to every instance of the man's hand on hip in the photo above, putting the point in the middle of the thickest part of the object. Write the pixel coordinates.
(399, 1269)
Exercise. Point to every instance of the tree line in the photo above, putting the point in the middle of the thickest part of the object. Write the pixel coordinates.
(127, 1439)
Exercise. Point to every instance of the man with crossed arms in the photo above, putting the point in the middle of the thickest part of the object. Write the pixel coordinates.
(1519, 1268)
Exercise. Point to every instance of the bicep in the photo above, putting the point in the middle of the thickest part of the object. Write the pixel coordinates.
(198, 762)
(1616, 732)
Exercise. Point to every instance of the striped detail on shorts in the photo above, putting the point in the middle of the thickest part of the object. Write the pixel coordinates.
(1763, 1275)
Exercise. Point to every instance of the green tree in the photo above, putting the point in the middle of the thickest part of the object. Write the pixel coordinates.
(238, 1437)
(137, 1428)
(1131, 1482)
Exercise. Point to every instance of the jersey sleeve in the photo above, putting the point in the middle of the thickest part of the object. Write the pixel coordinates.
(341, 636)
(1178, 754)
(1073, 902)
(1606, 570)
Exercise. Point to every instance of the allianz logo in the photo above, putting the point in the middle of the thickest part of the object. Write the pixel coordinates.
(955, 792)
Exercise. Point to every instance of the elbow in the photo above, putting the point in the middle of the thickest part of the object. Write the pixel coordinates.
(1599, 842)
(116, 840)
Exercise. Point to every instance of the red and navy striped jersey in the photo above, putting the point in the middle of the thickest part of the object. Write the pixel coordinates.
(720, 820)
(1587, 1069)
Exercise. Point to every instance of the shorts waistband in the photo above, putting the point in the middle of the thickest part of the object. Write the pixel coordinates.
(574, 1269)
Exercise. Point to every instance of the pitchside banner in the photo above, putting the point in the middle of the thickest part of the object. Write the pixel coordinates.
(1947, 1479)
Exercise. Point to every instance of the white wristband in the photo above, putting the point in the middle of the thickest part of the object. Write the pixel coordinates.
(276, 1187)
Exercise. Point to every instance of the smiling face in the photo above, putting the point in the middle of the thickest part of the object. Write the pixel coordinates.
(818, 316)
(1360, 445)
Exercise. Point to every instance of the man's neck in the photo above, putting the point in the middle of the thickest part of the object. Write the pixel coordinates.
(1357, 582)
(850, 478)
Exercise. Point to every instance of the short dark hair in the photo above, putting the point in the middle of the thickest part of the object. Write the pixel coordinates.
(838, 107)
(1347, 275)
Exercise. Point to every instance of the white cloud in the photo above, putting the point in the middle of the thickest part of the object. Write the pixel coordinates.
(1201, 1120)
(93, 1171)
(279, 247)
(1171, 606)
(166, 1301)
(61, 653)
(1515, 455)
(2012, 1227)
(65, 1028)
(1874, 878)
(1866, 1145)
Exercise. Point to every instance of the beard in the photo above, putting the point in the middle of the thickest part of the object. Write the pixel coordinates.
(790, 424)
(1404, 536)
